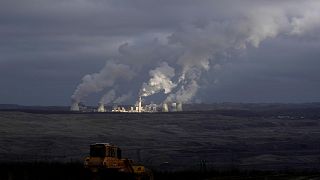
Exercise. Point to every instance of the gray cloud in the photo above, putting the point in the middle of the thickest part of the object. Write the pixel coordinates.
(61, 41)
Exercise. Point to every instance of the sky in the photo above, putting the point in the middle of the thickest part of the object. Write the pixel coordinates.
(112, 51)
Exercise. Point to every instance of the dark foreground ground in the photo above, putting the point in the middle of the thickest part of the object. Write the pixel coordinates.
(75, 171)
(274, 143)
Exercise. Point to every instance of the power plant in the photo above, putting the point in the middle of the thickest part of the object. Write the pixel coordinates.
(139, 107)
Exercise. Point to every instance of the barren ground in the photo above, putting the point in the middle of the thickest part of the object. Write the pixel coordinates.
(166, 141)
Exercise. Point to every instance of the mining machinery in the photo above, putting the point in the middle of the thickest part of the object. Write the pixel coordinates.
(105, 162)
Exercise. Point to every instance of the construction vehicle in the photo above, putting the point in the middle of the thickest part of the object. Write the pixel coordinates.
(105, 161)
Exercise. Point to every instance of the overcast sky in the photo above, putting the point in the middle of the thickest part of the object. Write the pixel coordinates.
(209, 51)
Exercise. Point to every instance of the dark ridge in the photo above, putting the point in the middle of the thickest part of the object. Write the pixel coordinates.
(279, 113)
(75, 170)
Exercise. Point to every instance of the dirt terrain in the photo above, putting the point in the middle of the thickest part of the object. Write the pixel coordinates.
(169, 141)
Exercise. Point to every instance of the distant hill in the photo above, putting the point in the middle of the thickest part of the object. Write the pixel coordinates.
(192, 107)
(249, 106)
(21, 107)
(276, 110)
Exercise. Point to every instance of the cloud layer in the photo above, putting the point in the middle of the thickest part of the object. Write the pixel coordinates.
(201, 41)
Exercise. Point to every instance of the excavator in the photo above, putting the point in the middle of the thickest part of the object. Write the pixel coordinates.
(105, 162)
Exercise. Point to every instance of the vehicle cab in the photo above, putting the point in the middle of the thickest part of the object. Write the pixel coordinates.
(105, 156)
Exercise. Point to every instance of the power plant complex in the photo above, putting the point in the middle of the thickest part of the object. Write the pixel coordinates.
(137, 108)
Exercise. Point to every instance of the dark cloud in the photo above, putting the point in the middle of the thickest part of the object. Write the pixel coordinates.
(227, 50)
(279, 71)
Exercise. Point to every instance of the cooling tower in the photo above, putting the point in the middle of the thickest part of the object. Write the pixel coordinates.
(74, 107)
(174, 107)
(179, 107)
(165, 107)
(101, 108)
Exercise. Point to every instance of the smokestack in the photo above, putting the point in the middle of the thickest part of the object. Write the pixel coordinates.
(179, 107)
(74, 106)
(139, 104)
(174, 107)
(101, 108)
(165, 107)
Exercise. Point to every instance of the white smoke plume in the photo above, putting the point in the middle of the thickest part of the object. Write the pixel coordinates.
(123, 98)
(193, 47)
(108, 97)
(202, 43)
(188, 87)
(96, 82)
(111, 98)
(160, 80)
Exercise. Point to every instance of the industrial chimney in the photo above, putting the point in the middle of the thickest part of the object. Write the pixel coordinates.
(140, 104)
(165, 107)
(179, 107)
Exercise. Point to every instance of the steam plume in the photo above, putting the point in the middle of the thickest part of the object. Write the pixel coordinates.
(202, 44)
(123, 98)
(108, 97)
(92, 83)
(195, 46)
(160, 80)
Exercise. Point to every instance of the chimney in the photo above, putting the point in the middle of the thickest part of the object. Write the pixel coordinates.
(139, 104)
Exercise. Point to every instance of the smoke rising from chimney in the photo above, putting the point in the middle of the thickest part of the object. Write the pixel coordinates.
(195, 46)
(93, 83)
(108, 97)
(160, 80)
(123, 98)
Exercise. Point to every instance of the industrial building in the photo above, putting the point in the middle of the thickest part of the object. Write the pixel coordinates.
(137, 108)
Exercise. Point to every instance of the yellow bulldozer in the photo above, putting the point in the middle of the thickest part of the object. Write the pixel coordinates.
(105, 162)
